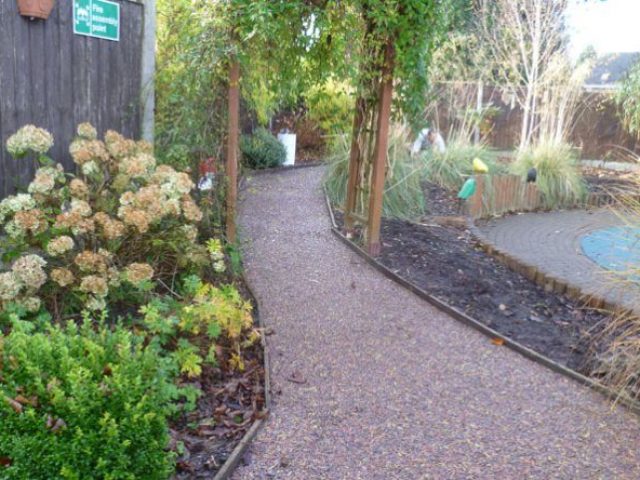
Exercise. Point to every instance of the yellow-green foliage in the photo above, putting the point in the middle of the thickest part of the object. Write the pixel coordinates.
(559, 178)
(331, 106)
(209, 323)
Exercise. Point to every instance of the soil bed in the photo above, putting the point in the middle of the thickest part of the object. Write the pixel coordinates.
(609, 182)
(445, 262)
(226, 410)
(440, 201)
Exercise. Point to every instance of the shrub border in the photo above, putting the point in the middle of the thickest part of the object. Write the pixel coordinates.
(229, 466)
(462, 317)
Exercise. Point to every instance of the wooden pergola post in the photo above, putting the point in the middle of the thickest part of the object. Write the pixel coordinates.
(380, 152)
(355, 158)
(232, 147)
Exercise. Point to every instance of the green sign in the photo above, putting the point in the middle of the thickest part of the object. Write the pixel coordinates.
(97, 18)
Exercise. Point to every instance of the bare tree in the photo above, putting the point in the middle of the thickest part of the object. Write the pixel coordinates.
(526, 40)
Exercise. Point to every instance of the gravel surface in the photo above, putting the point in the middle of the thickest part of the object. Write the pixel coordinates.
(370, 382)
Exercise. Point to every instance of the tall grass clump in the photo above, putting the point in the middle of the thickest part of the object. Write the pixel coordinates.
(451, 168)
(559, 178)
(403, 196)
(619, 365)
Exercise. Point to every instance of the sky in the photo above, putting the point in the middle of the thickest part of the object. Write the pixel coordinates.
(608, 25)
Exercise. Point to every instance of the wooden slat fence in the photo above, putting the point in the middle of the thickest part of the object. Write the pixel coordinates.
(55, 79)
(500, 194)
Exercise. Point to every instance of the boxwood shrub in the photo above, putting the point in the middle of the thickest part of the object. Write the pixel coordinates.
(262, 150)
(83, 402)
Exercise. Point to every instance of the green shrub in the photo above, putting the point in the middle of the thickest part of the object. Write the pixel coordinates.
(559, 178)
(262, 150)
(79, 403)
(209, 324)
(403, 195)
(451, 168)
(331, 107)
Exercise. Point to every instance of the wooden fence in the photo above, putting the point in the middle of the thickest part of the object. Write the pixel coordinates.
(597, 130)
(500, 194)
(55, 79)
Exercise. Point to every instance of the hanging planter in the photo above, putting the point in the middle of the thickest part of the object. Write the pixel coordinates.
(35, 8)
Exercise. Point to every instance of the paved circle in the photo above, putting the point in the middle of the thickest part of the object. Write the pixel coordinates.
(371, 382)
(615, 248)
(552, 242)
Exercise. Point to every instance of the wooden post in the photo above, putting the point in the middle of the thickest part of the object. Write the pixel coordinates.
(376, 195)
(232, 147)
(355, 156)
(148, 70)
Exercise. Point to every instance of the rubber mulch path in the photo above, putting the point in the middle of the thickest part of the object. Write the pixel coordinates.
(371, 382)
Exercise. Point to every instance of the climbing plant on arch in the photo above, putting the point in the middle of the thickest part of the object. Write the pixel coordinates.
(399, 38)
(377, 44)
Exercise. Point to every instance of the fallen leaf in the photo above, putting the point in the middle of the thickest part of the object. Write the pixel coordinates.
(296, 377)
(13, 404)
(497, 341)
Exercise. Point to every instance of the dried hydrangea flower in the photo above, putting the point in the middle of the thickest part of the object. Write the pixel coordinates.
(94, 284)
(29, 139)
(85, 151)
(134, 218)
(60, 246)
(62, 277)
(91, 262)
(31, 304)
(190, 210)
(79, 189)
(45, 180)
(138, 272)
(95, 304)
(14, 204)
(137, 166)
(10, 286)
(81, 207)
(31, 221)
(87, 131)
(118, 146)
(30, 270)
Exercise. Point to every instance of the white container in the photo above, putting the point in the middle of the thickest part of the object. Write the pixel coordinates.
(289, 142)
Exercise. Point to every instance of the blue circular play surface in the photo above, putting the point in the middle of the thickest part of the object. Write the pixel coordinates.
(616, 248)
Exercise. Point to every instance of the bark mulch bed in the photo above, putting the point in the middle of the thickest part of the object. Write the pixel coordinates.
(446, 262)
(440, 201)
(226, 410)
(610, 182)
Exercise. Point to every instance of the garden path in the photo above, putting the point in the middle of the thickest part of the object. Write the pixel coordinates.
(552, 242)
(371, 382)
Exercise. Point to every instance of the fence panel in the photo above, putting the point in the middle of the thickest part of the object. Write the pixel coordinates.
(500, 194)
(55, 79)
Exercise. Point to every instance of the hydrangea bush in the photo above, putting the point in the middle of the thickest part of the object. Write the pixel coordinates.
(84, 398)
(120, 223)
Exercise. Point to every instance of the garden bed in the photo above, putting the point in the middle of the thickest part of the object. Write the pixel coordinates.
(227, 409)
(440, 201)
(609, 182)
(445, 262)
